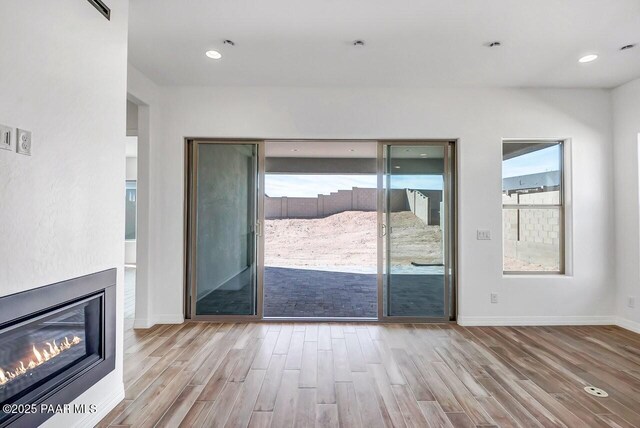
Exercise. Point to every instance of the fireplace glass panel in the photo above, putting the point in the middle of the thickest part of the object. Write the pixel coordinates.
(45, 351)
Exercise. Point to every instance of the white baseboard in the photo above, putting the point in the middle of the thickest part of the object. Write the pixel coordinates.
(539, 321)
(104, 407)
(168, 319)
(628, 324)
(536, 321)
(158, 319)
(142, 323)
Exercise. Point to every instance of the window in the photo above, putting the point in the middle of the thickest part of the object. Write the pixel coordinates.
(532, 206)
(130, 210)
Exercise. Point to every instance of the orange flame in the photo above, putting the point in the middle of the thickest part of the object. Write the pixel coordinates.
(41, 357)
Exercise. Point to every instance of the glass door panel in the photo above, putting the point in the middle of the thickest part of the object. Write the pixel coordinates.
(224, 219)
(416, 236)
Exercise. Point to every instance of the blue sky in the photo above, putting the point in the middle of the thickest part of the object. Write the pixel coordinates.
(541, 161)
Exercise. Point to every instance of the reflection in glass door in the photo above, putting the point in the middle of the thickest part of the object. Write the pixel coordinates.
(416, 230)
(223, 213)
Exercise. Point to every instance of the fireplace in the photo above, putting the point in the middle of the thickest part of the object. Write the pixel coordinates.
(55, 342)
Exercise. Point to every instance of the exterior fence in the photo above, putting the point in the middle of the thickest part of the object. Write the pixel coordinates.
(425, 204)
(532, 235)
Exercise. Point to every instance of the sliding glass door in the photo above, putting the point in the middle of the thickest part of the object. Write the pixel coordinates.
(224, 229)
(416, 234)
(415, 258)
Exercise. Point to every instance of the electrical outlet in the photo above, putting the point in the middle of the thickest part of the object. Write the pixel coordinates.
(494, 297)
(23, 142)
(6, 140)
(483, 235)
(631, 302)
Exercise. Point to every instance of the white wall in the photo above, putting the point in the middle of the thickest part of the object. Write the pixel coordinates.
(132, 119)
(132, 168)
(144, 93)
(63, 76)
(626, 129)
(480, 118)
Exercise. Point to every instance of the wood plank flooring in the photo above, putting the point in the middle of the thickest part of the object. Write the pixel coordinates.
(377, 375)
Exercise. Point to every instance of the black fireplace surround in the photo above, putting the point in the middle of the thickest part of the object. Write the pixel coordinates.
(56, 342)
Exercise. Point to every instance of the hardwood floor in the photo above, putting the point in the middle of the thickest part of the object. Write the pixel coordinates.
(377, 375)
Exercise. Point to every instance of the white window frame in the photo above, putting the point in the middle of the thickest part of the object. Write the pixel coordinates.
(565, 208)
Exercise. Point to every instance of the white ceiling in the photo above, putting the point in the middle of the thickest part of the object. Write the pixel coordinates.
(408, 42)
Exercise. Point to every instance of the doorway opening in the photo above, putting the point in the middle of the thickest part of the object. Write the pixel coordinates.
(320, 236)
(131, 217)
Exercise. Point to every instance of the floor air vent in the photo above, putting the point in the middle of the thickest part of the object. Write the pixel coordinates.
(596, 391)
(102, 8)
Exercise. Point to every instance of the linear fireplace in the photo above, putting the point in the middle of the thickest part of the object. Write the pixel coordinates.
(55, 342)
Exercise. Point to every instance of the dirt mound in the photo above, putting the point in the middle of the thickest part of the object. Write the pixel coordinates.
(348, 239)
(344, 239)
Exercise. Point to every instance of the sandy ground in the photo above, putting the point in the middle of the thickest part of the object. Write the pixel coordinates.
(514, 265)
(347, 242)
(348, 239)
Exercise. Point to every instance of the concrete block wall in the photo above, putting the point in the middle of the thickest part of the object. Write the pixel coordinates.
(424, 203)
(336, 202)
(398, 200)
(435, 203)
(532, 235)
(301, 207)
(356, 199)
(419, 205)
(273, 207)
(365, 199)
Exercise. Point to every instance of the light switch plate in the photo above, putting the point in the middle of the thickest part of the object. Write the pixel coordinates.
(483, 235)
(494, 297)
(23, 142)
(6, 140)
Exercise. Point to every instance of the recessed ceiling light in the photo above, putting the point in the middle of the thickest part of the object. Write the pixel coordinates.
(494, 44)
(423, 154)
(229, 42)
(352, 150)
(358, 43)
(294, 150)
(629, 46)
(213, 54)
(396, 167)
(588, 58)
